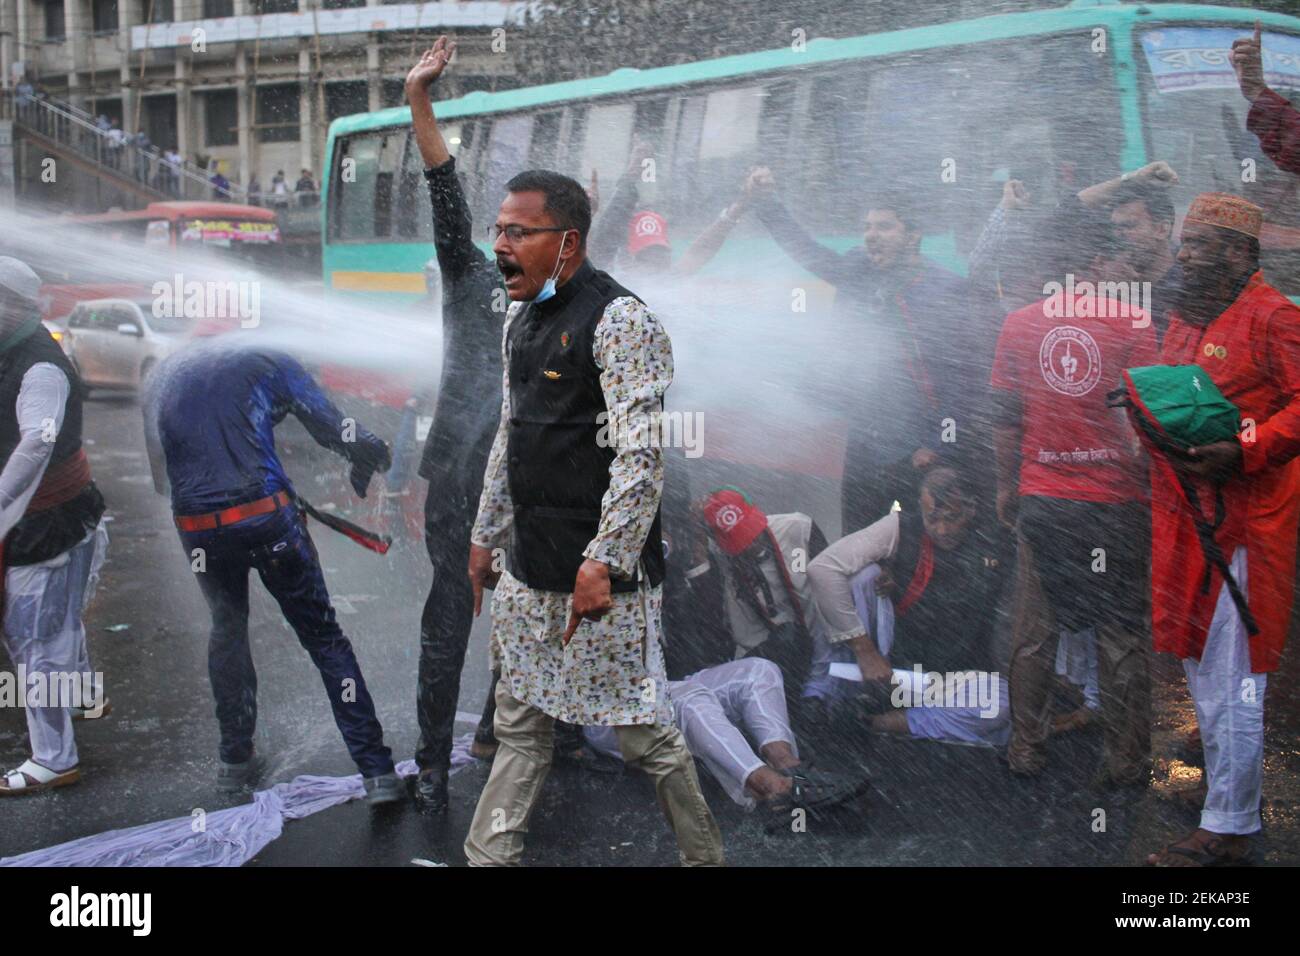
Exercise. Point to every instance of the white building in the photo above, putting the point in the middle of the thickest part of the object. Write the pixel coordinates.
(249, 84)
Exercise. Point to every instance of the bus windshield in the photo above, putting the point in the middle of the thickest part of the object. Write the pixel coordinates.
(1196, 121)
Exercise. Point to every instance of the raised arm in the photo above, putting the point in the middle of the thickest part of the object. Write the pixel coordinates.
(1158, 173)
(453, 238)
(826, 264)
(1275, 121)
(609, 232)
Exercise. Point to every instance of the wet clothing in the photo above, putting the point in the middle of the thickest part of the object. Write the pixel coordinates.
(455, 455)
(599, 677)
(212, 412)
(911, 368)
(1059, 367)
(1082, 524)
(1277, 124)
(44, 635)
(278, 547)
(50, 555)
(40, 397)
(1062, 588)
(612, 670)
(1252, 352)
(563, 431)
(525, 749)
(214, 409)
(978, 710)
(946, 598)
(754, 600)
(1229, 701)
(727, 715)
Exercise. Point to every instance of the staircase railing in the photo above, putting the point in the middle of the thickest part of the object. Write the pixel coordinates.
(76, 130)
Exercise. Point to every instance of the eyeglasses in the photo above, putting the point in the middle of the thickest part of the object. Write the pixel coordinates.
(516, 233)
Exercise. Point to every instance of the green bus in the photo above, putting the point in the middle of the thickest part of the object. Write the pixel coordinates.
(1058, 98)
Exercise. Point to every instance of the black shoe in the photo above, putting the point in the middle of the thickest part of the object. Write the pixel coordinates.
(386, 788)
(431, 791)
(818, 790)
(239, 777)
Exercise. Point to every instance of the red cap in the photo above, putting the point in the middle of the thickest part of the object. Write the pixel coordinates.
(646, 229)
(734, 520)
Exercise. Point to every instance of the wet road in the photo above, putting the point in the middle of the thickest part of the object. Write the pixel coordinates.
(154, 757)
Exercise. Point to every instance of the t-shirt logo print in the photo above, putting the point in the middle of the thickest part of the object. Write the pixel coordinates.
(727, 517)
(1070, 361)
(647, 226)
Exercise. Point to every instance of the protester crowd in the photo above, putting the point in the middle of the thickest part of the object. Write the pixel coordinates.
(1030, 449)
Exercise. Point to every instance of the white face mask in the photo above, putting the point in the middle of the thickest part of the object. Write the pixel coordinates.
(548, 287)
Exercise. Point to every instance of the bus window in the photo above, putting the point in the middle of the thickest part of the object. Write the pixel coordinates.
(413, 214)
(507, 155)
(546, 135)
(390, 163)
(946, 127)
(688, 192)
(576, 117)
(607, 142)
(1196, 121)
(354, 187)
(367, 168)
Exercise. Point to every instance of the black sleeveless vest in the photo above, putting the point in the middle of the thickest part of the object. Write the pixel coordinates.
(42, 535)
(558, 470)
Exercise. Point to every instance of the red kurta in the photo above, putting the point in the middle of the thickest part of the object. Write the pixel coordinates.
(1252, 352)
(1277, 124)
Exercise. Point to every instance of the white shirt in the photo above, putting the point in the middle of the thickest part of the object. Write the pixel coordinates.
(42, 399)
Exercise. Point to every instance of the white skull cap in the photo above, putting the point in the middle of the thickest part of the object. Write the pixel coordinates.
(18, 277)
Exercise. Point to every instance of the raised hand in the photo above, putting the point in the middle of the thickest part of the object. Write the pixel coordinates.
(1248, 62)
(430, 66)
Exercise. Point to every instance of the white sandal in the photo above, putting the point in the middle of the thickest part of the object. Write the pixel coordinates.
(31, 777)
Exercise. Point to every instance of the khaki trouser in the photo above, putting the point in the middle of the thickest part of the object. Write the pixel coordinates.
(525, 737)
(1122, 675)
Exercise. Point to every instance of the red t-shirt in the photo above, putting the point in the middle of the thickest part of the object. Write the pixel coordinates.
(1061, 357)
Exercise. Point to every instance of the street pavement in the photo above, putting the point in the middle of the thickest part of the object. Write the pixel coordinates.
(155, 756)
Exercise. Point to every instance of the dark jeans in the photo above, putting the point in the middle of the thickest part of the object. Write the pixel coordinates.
(444, 633)
(278, 547)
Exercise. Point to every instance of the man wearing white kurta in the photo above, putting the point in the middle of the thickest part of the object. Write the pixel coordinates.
(52, 538)
(571, 493)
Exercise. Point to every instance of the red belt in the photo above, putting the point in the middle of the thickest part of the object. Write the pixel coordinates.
(219, 519)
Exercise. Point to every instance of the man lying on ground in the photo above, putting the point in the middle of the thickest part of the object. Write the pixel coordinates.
(735, 722)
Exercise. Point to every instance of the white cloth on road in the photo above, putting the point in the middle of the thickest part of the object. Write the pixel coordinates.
(228, 837)
(1229, 702)
(727, 714)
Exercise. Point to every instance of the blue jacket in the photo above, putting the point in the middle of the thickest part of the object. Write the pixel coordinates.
(211, 413)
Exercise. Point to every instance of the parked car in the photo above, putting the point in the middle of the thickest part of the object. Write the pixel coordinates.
(114, 343)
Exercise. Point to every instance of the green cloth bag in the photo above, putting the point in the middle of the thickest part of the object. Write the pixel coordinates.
(1183, 403)
(1174, 408)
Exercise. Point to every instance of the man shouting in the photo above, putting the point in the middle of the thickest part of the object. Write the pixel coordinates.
(576, 610)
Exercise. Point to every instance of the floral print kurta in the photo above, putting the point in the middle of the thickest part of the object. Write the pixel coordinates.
(612, 671)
